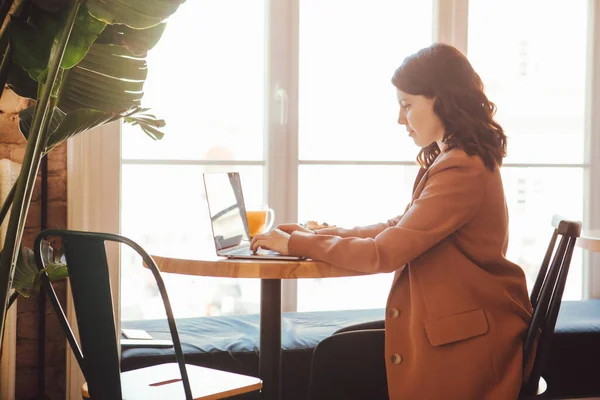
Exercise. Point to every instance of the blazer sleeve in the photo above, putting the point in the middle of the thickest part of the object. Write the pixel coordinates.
(369, 231)
(451, 197)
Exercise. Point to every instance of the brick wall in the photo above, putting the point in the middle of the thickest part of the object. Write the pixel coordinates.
(12, 146)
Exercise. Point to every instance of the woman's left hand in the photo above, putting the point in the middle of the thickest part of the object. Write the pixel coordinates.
(276, 240)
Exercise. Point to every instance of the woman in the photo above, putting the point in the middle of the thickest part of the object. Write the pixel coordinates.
(457, 309)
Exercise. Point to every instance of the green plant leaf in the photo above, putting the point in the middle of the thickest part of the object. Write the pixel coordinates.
(105, 85)
(137, 41)
(54, 264)
(56, 271)
(77, 122)
(148, 123)
(27, 280)
(137, 14)
(25, 274)
(26, 119)
(52, 5)
(21, 83)
(85, 32)
(31, 45)
(109, 78)
(64, 126)
(33, 40)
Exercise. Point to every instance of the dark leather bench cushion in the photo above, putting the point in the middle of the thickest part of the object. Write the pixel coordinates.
(238, 334)
(231, 343)
(573, 365)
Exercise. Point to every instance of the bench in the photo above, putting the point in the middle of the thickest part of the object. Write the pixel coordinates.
(230, 343)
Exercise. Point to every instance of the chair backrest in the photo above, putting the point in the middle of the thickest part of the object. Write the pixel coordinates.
(90, 286)
(546, 298)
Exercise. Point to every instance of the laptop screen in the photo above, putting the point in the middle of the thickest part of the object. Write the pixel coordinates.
(226, 209)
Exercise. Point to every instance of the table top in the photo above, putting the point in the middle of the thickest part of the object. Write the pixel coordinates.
(211, 265)
(590, 240)
(239, 268)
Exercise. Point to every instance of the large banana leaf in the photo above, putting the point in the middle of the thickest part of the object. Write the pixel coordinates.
(138, 41)
(64, 126)
(85, 32)
(52, 5)
(21, 83)
(137, 14)
(32, 40)
(26, 118)
(106, 85)
(109, 78)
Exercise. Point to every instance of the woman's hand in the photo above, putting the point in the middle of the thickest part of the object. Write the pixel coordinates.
(276, 240)
(289, 228)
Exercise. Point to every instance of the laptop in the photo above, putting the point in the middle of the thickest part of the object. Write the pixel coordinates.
(228, 218)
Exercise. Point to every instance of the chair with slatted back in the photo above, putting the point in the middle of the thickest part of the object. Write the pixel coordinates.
(546, 297)
(98, 356)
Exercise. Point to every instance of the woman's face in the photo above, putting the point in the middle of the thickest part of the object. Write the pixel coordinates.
(422, 124)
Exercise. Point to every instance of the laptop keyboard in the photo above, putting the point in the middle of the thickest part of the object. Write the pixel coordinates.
(247, 252)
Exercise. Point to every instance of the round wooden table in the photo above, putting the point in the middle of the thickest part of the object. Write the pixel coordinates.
(270, 272)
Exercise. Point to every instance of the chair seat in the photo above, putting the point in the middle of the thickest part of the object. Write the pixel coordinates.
(163, 382)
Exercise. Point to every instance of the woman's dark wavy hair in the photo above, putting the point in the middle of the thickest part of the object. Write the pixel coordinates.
(443, 73)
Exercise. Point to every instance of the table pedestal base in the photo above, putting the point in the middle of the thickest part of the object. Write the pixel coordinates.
(269, 364)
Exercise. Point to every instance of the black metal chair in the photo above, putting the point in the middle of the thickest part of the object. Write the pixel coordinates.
(98, 356)
(546, 297)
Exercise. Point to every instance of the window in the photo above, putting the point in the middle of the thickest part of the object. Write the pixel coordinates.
(207, 82)
(536, 75)
(347, 113)
(296, 96)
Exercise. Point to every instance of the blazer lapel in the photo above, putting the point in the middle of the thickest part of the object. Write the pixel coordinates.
(417, 188)
(419, 183)
(420, 180)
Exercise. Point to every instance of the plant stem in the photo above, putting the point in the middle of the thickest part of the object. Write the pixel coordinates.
(6, 65)
(4, 10)
(44, 138)
(29, 170)
(8, 202)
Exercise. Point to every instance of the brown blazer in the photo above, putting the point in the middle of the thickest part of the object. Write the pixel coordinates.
(457, 309)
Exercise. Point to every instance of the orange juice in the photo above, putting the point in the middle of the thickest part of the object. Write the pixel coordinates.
(256, 221)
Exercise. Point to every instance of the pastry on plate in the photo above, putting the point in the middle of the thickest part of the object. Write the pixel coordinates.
(314, 225)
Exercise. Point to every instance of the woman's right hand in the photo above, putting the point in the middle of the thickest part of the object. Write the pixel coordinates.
(289, 228)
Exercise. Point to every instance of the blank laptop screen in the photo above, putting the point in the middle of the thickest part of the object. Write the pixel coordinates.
(226, 209)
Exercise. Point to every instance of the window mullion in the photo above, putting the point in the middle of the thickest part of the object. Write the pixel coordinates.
(591, 213)
(450, 22)
(281, 120)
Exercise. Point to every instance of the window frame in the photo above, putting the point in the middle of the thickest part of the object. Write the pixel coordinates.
(281, 132)
(591, 216)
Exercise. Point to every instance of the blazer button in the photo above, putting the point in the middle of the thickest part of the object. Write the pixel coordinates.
(396, 359)
(394, 313)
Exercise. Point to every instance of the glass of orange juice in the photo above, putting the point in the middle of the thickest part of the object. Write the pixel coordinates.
(260, 219)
